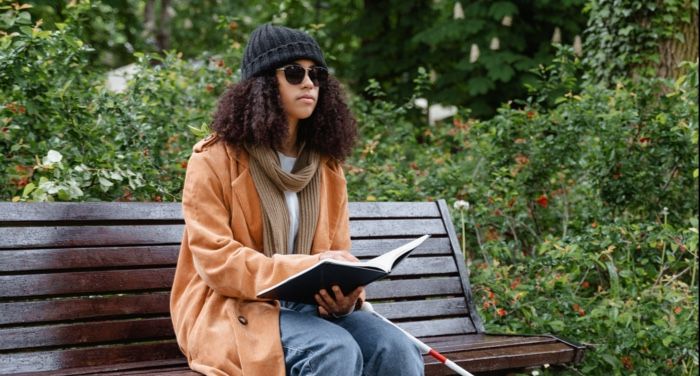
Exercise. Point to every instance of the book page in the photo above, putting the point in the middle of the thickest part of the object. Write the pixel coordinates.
(387, 261)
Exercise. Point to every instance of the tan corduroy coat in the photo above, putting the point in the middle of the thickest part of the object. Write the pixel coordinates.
(220, 325)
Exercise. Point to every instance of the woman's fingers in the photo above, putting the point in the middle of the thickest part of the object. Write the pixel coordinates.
(323, 312)
(330, 303)
(339, 304)
(339, 255)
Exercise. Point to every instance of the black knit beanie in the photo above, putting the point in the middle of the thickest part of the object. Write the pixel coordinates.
(270, 47)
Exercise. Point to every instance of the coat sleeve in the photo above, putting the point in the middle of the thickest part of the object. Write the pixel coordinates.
(225, 265)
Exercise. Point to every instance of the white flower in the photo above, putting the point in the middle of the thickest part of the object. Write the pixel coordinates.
(458, 12)
(507, 21)
(546, 365)
(474, 53)
(495, 43)
(578, 48)
(52, 157)
(461, 205)
(556, 37)
(535, 373)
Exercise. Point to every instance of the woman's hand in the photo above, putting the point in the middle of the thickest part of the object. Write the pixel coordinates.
(338, 255)
(341, 305)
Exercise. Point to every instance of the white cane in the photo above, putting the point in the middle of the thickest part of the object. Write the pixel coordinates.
(366, 306)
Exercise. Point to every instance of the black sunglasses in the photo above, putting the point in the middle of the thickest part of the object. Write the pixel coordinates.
(295, 74)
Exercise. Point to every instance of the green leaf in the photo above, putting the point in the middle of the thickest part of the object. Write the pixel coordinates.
(614, 278)
(667, 340)
(28, 189)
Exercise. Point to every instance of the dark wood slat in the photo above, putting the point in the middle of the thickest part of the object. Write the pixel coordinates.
(125, 211)
(85, 282)
(76, 258)
(424, 328)
(398, 227)
(84, 308)
(424, 265)
(392, 210)
(89, 211)
(86, 333)
(375, 247)
(484, 341)
(174, 371)
(87, 357)
(86, 236)
(504, 358)
(174, 364)
(413, 288)
(422, 308)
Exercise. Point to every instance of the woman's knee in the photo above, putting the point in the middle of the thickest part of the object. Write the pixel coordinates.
(335, 353)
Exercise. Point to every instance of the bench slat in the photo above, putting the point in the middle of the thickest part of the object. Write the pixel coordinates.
(421, 308)
(393, 210)
(413, 288)
(85, 236)
(424, 266)
(87, 357)
(86, 333)
(161, 278)
(84, 308)
(90, 257)
(424, 328)
(364, 248)
(170, 367)
(85, 282)
(88, 211)
(397, 227)
(94, 307)
(504, 358)
(76, 258)
(151, 211)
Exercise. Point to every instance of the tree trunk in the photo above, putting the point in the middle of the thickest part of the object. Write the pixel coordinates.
(163, 33)
(673, 51)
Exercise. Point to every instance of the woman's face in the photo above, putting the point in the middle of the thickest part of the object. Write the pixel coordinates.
(298, 100)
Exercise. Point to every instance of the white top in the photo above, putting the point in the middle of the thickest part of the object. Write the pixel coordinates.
(287, 164)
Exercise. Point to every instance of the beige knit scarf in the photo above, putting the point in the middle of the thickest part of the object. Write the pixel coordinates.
(271, 182)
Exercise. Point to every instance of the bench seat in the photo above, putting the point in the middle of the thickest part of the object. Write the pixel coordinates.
(84, 289)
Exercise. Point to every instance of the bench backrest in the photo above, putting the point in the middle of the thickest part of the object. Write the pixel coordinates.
(87, 284)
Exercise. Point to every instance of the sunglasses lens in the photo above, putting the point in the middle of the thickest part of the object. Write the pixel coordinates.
(318, 75)
(294, 74)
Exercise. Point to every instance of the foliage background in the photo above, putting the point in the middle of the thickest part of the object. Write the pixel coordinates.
(582, 183)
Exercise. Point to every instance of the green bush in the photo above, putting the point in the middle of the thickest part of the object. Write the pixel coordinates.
(582, 215)
(66, 137)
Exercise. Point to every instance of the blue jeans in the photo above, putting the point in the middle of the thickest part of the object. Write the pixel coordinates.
(358, 344)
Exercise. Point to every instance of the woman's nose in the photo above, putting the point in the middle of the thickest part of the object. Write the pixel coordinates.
(306, 82)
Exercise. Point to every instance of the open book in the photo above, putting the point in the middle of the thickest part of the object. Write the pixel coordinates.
(302, 286)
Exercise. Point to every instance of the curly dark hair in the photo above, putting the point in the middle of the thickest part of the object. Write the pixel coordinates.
(251, 113)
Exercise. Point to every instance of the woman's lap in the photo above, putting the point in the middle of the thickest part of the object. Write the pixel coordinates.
(344, 346)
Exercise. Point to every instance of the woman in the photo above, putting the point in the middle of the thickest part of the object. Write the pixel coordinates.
(264, 198)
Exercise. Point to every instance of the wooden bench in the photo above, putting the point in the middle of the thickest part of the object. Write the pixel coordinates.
(84, 289)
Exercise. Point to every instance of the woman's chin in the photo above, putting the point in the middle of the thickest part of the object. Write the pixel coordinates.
(304, 115)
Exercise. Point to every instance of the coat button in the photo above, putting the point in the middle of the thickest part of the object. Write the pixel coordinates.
(242, 320)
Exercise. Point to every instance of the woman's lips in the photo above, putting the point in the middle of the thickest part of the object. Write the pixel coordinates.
(307, 99)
